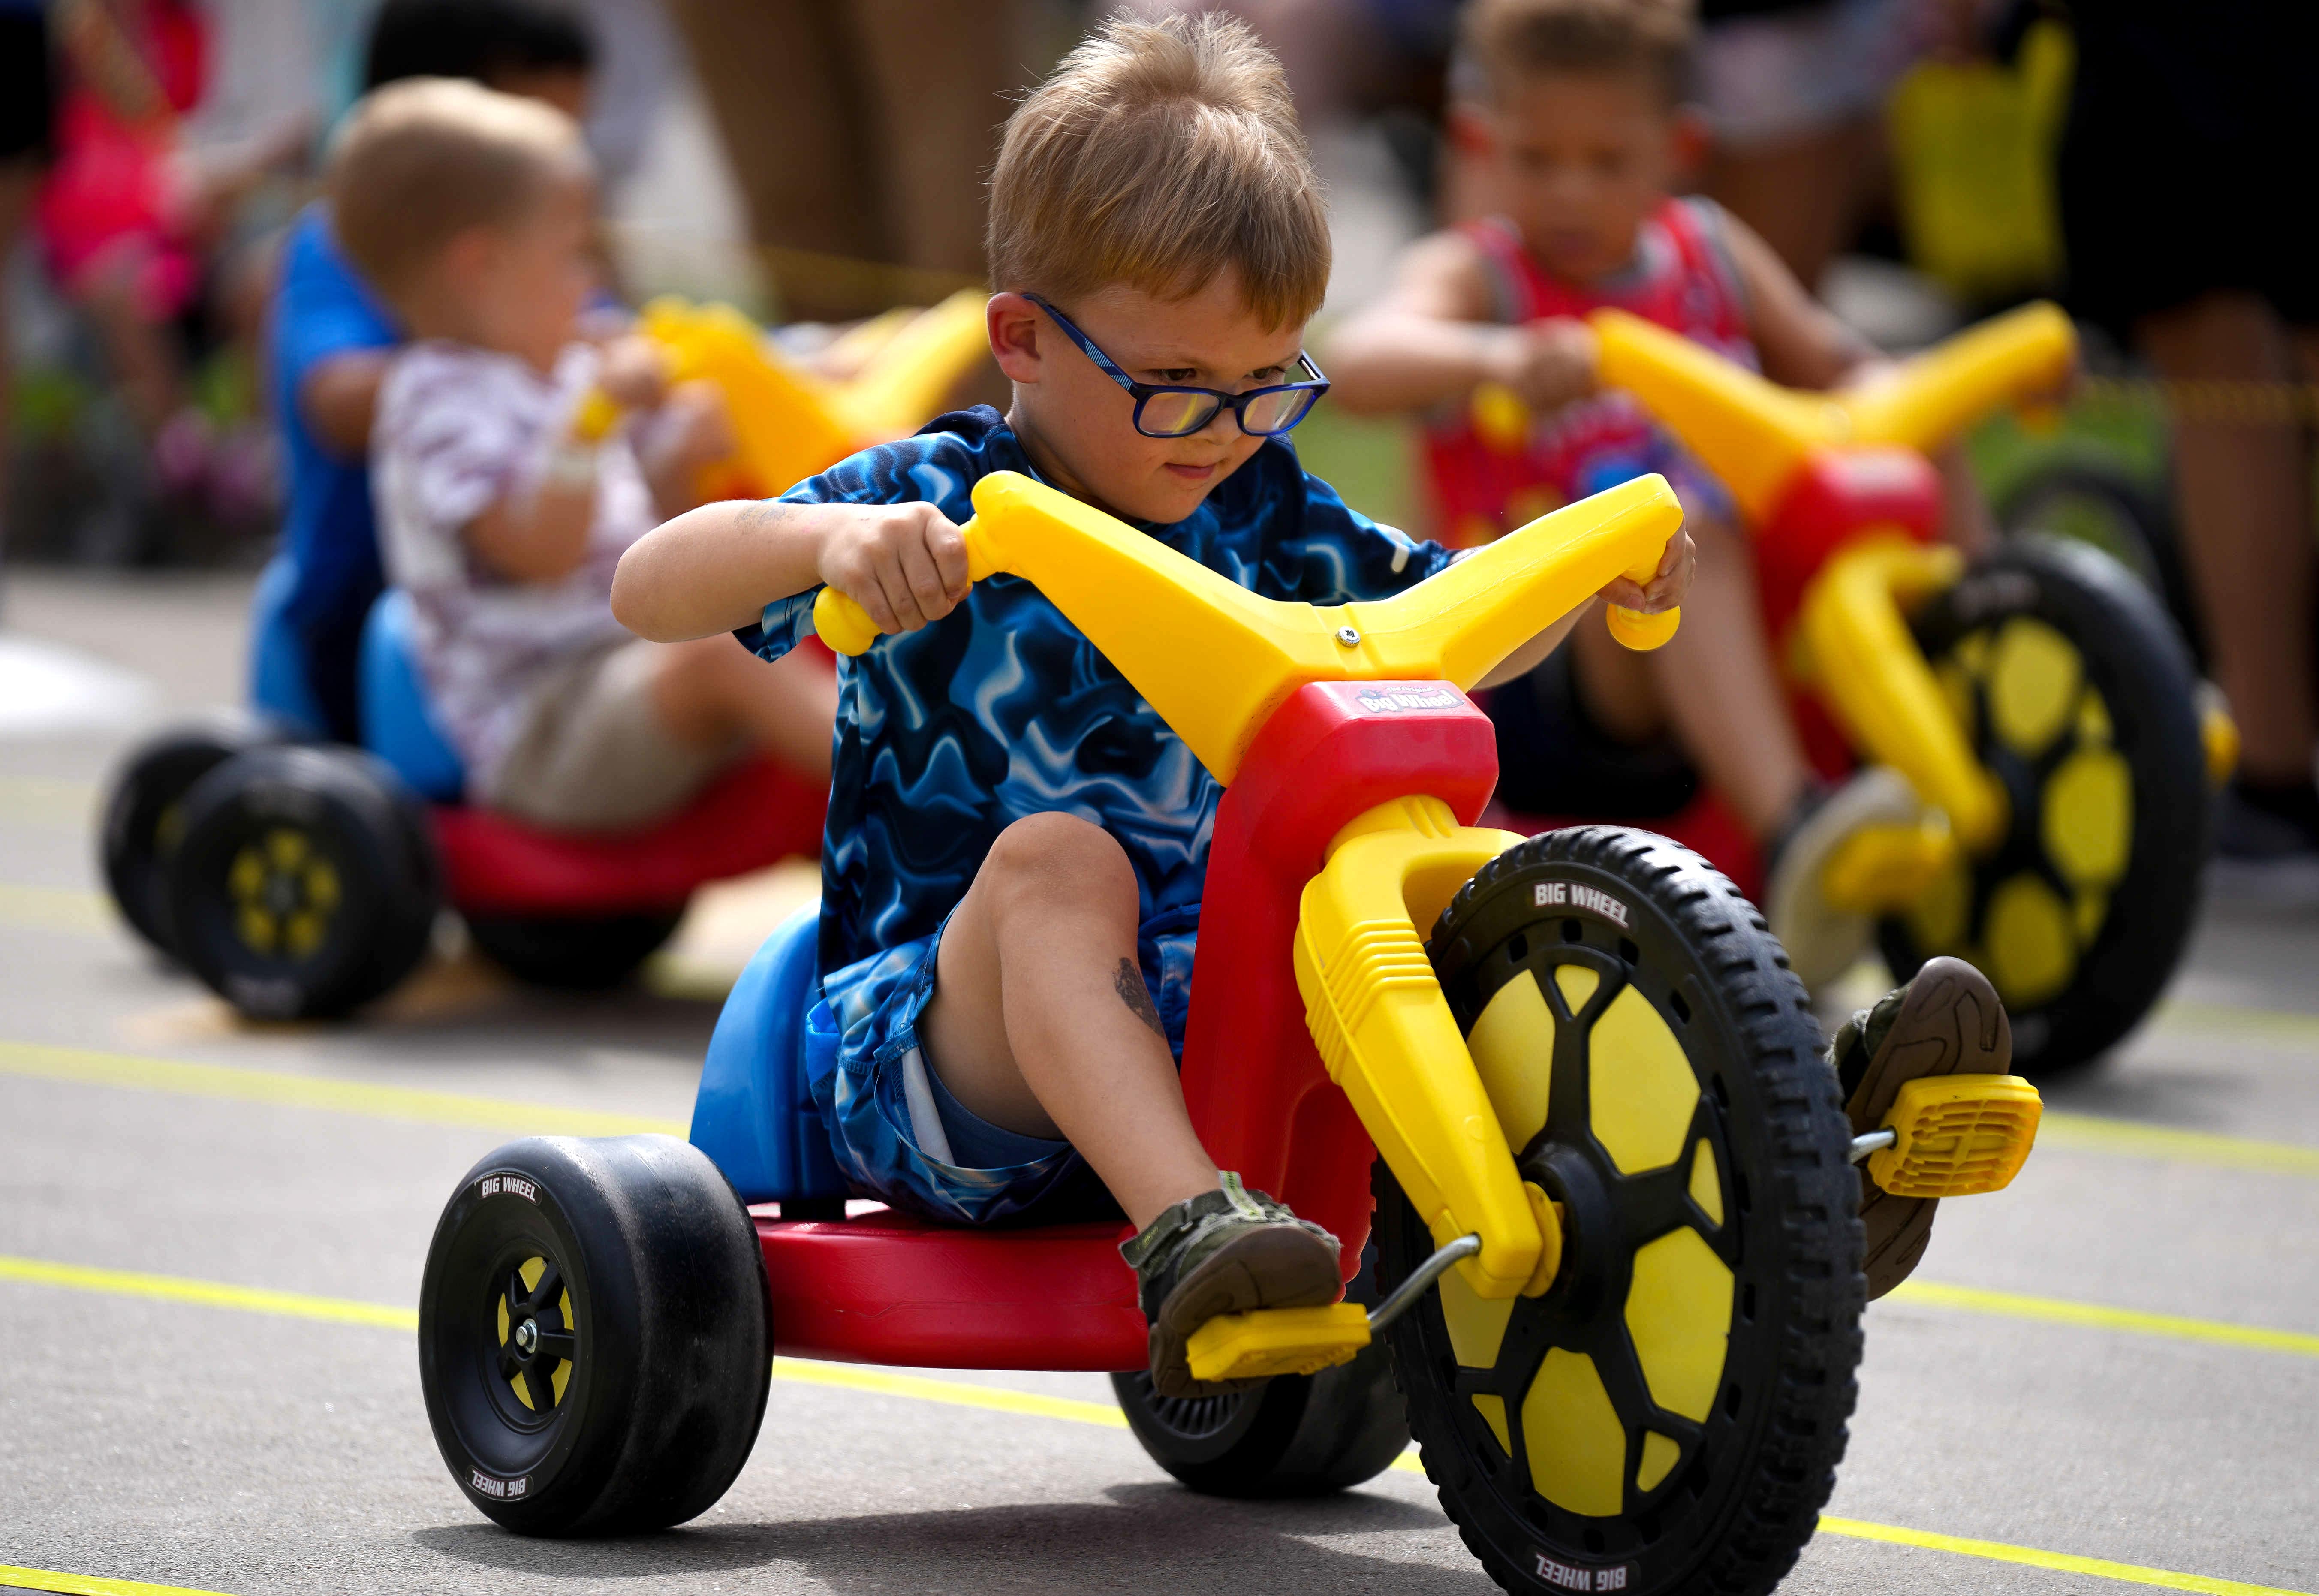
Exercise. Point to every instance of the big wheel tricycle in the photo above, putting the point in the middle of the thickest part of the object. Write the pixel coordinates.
(2039, 703)
(1563, 1090)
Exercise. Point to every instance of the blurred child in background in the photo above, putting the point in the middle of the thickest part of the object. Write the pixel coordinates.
(503, 506)
(1582, 122)
(329, 339)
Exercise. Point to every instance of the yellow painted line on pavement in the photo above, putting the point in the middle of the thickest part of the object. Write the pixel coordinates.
(88, 1067)
(961, 1393)
(965, 1394)
(2287, 1024)
(209, 1293)
(2086, 1132)
(81, 1584)
(31, 800)
(1998, 1551)
(1967, 1299)
(54, 908)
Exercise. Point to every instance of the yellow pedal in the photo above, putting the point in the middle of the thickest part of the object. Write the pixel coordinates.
(1278, 1341)
(1957, 1136)
(1883, 869)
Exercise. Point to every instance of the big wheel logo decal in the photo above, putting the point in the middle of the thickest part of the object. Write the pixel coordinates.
(1593, 901)
(492, 1185)
(503, 1490)
(1564, 1576)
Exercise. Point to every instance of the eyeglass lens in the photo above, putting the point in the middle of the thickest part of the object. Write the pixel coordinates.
(1174, 413)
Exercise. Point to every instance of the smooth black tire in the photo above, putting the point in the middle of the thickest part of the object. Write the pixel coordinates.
(144, 813)
(2089, 502)
(2082, 910)
(1299, 1435)
(1667, 1415)
(574, 953)
(635, 1397)
(306, 882)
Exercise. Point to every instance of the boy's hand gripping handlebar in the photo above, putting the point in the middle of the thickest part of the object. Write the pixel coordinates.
(1214, 659)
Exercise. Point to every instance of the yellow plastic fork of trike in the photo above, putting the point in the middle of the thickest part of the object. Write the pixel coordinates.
(1754, 435)
(1215, 660)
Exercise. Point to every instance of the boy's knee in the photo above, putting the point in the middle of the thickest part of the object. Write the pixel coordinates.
(1043, 857)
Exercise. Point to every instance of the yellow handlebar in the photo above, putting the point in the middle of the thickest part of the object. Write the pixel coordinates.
(1214, 659)
(1754, 435)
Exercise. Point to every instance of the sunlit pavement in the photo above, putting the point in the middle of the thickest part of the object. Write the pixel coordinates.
(210, 1238)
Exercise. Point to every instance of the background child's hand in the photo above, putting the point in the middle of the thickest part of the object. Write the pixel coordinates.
(1666, 589)
(1548, 363)
(635, 373)
(905, 563)
(689, 431)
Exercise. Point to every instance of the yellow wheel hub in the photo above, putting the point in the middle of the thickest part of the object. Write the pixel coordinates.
(537, 1345)
(2020, 688)
(285, 892)
(1625, 1126)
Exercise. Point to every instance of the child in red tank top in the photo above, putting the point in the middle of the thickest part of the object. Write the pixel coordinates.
(1578, 131)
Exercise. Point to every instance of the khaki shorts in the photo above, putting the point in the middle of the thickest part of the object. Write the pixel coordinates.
(592, 754)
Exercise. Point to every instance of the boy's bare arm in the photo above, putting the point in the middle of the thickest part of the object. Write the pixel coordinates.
(1802, 344)
(1432, 337)
(714, 569)
(540, 535)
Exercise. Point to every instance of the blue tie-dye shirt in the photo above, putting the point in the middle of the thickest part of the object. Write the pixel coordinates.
(947, 735)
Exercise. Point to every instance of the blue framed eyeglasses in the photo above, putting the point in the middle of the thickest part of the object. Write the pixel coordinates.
(1163, 412)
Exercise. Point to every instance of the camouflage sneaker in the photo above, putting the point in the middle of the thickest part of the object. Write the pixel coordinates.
(1947, 1021)
(1224, 1251)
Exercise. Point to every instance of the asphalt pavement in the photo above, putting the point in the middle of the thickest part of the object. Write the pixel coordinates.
(210, 1238)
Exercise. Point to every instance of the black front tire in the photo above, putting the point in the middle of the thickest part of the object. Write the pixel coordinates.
(1667, 1415)
(574, 953)
(634, 1398)
(2077, 692)
(1298, 1435)
(145, 815)
(306, 883)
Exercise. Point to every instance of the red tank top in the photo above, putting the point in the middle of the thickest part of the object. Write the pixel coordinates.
(1484, 481)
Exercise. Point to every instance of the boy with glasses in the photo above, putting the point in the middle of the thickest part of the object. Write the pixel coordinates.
(1011, 882)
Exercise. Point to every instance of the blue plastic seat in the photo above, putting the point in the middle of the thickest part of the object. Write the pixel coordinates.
(754, 1116)
(395, 721)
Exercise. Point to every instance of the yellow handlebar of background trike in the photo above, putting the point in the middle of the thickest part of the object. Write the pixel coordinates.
(790, 422)
(1754, 435)
(1214, 659)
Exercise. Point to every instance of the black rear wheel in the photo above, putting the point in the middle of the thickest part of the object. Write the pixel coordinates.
(145, 814)
(306, 884)
(1294, 1436)
(594, 1342)
(2077, 693)
(1667, 1415)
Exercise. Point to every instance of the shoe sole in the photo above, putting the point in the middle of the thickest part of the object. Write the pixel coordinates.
(1949, 1023)
(1279, 1265)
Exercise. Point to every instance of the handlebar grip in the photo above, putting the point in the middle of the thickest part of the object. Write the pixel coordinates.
(842, 622)
(1640, 632)
(847, 627)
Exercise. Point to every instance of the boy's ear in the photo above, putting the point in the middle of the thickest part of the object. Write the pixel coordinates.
(1694, 141)
(1016, 329)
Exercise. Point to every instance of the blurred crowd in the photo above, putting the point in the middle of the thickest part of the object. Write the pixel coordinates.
(1915, 162)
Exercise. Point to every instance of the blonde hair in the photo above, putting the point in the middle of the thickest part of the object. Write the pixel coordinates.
(1505, 41)
(1160, 154)
(422, 160)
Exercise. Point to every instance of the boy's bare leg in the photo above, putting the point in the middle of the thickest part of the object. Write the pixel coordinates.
(711, 691)
(2245, 492)
(1714, 683)
(1040, 1022)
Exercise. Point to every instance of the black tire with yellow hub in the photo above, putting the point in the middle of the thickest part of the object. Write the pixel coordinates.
(2077, 694)
(1668, 1414)
(306, 884)
(594, 1340)
(144, 811)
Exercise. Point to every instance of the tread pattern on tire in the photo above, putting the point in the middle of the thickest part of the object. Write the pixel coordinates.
(1796, 1438)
